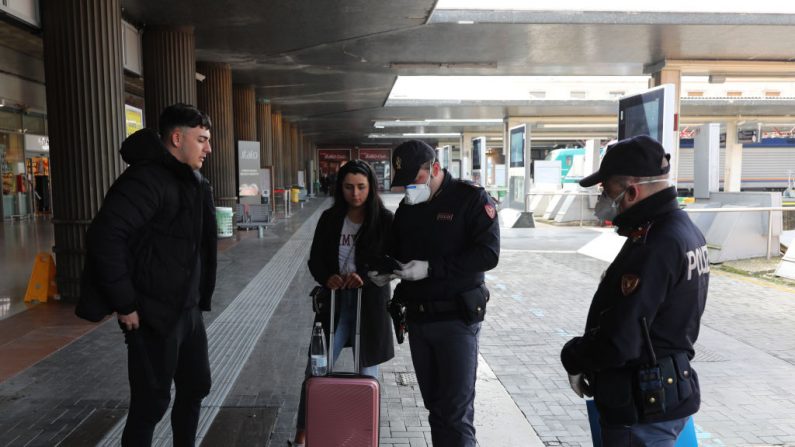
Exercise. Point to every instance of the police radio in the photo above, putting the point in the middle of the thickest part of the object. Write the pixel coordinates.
(650, 383)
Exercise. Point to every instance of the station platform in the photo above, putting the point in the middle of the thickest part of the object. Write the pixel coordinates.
(77, 394)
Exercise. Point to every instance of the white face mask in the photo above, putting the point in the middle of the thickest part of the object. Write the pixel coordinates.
(607, 208)
(418, 192)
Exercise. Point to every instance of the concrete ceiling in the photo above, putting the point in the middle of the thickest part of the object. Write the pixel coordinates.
(329, 65)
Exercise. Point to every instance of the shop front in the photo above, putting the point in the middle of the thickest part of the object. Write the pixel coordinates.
(381, 161)
(329, 162)
(16, 164)
(37, 164)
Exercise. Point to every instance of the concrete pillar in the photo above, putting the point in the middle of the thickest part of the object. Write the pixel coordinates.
(278, 156)
(85, 114)
(245, 112)
(591, 157)
(733, 165)
(672, 76)
(265, 132)
(169, 55)
(214, 96)
(706, 160)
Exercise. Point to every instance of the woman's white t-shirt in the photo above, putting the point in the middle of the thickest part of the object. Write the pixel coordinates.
(347, 256)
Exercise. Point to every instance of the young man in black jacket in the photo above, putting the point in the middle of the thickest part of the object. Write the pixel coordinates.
(152, 251)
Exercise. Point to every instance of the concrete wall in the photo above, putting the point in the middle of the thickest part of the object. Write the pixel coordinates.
(739, 235)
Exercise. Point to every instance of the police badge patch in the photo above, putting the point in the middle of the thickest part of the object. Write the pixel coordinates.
(629, 283)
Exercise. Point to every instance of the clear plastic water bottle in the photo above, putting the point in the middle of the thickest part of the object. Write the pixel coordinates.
(317, 351)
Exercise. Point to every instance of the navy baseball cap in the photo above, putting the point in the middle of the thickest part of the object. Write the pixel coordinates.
(407, 159)
(640, 156)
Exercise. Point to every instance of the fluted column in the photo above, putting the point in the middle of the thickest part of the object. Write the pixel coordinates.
(307, 153)
(85, 113)
(214, 97)
(296, 151)
(287, 153)
(169, 55)
(264, 132)
(278, 156)
(245, 112)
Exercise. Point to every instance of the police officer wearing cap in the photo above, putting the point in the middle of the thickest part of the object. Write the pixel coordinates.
(634, 357)
(446, 234)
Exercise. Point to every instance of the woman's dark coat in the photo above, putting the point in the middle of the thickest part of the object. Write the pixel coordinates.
(376, 330)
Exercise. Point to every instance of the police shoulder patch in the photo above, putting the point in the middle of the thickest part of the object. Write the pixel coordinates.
(490, 211)
(629, 283)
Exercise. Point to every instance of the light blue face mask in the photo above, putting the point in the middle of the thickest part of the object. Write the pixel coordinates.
(607, 208)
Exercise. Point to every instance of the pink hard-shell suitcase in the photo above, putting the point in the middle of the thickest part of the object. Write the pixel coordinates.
(342, 409)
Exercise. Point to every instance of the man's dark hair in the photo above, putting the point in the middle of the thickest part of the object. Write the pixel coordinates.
(181, 115)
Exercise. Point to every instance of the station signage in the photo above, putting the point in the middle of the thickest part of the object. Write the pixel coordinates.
(375, 154)
(334, 155)
(37, 143)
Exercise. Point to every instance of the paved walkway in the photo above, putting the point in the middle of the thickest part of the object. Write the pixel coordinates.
(540, 295)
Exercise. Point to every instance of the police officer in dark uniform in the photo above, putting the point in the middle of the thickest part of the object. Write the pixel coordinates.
(446, 234)
(634, 356)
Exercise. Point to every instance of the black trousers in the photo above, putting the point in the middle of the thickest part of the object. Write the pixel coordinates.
(153, 362)
(445, 358)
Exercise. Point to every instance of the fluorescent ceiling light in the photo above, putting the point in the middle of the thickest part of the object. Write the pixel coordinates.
(432, 122)
(512, 88)
(580, 126)
(418, 135)
(446, 90)
(631, 6)
(484, 120)
(571, 136)
(385, 135)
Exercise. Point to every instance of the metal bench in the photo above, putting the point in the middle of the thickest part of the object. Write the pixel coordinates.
(253, 216)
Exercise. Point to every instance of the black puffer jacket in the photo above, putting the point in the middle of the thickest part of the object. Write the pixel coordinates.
(143, 244)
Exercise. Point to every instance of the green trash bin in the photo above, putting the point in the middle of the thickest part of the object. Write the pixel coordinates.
(224, 217)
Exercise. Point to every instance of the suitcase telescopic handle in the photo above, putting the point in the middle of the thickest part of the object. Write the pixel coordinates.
(357, 339)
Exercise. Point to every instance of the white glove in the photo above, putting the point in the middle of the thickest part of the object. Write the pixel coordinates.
(380, 280)
(580, 385)
(413, 270)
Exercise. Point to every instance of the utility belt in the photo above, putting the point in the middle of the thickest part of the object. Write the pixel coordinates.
(469, 306)
(667, 390)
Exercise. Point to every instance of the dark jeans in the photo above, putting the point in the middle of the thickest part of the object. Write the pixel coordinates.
(153, 362)
(657, 434)
(445, 357)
